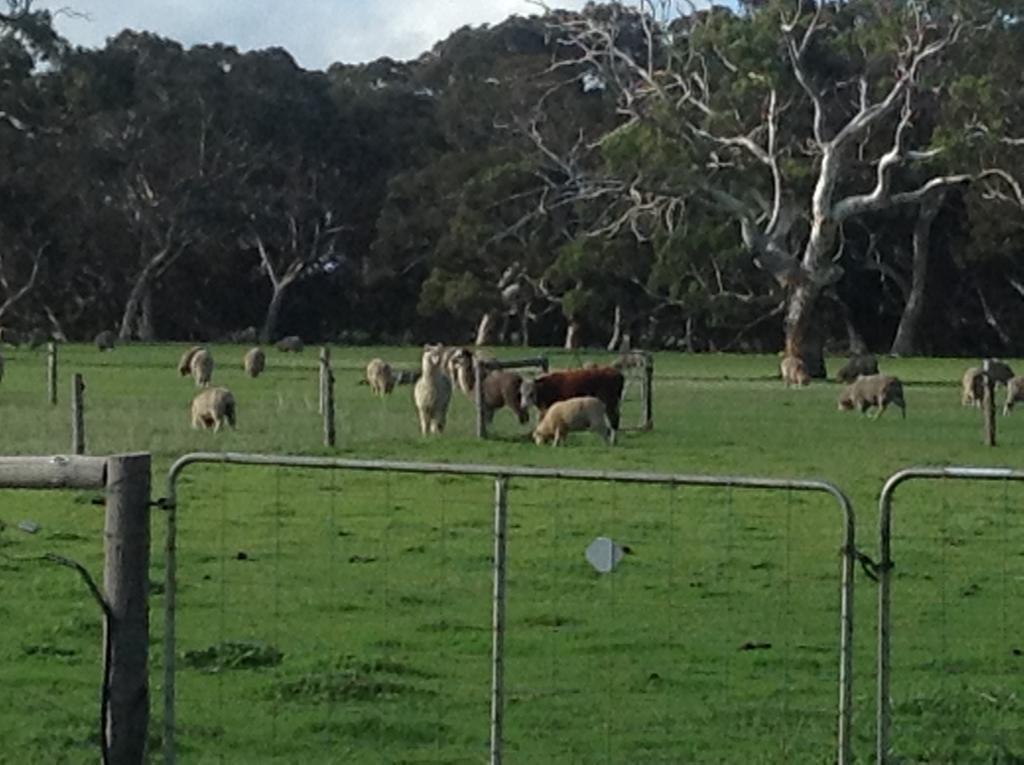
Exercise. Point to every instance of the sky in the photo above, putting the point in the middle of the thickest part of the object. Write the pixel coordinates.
(317, 33)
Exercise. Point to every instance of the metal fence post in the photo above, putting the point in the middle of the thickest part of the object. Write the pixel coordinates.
(126, 583)
(325, 365)
(498, 618)
(77, 414)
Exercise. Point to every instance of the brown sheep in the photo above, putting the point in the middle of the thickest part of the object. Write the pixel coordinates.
(500, 389)
(202, 367)
(580, 413)
(380, 377)
(973, 387)
(873, 391)
(1014, 393)
(212, 407)
(864, 364)
(255, 362)
(794, 372)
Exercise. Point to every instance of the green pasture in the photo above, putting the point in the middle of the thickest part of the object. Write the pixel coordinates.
(330, 616)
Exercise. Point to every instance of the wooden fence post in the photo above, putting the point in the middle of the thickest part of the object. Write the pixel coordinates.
(126, 583)
(77, 414)
(988, 406)
(478, 397)
(325, 364)
(328, 408)
(647, 392)
(51, 372)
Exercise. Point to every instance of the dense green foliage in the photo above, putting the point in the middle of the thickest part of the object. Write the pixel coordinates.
(329, 615)
(518, 172)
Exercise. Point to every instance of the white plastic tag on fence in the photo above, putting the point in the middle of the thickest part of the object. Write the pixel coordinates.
(604, 555)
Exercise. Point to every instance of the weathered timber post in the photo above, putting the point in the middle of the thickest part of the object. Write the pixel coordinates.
(51, 372)
(647, 392)
(988, 406)
(325, 364)
(77, 414)
(328, 408)
(126, 583)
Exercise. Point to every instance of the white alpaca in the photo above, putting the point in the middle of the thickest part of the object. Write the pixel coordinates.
(432, 392)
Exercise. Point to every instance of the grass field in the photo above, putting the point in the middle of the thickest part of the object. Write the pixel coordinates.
(345, 617)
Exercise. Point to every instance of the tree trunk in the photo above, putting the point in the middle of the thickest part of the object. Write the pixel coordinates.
(803, 338)
(572, 336)
(524, 325)
(145, 329)
(133, 307)
(906, 340)
(485, 329)
(269, 331)
(616, 338)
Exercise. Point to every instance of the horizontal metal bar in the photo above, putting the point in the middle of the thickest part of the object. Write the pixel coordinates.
(509, 471)
(56, 472)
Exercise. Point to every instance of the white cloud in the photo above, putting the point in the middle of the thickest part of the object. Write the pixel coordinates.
(316, 32)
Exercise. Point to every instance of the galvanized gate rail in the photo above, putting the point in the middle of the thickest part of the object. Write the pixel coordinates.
(501, 474)
(885, 564)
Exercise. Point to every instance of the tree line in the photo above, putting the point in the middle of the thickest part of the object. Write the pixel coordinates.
(782, 175)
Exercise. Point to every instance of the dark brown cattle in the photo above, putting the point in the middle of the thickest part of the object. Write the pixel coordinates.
(604, 383)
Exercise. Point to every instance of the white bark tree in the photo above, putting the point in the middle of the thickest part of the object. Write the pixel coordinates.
(684, 89)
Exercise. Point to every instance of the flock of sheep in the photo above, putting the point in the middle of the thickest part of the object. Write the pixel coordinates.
(567, 401)
(868, 389)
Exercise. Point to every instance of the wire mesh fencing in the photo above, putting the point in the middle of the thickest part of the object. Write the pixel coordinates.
(950, 646)
(377, 612)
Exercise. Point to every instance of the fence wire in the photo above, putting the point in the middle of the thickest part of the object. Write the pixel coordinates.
(351, 612)
(951, 656)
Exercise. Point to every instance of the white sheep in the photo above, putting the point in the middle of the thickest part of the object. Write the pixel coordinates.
(380, 377)
(185, 362)
(794, 372)
(580, 413)
(973, 387)
(458, 364)
(432, 392)
(255, 362)
(202, 367)
(212, 407)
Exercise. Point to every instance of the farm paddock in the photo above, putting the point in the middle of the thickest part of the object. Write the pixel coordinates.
(715, 641)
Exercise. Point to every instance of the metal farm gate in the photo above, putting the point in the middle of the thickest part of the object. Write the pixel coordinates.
(305, 558)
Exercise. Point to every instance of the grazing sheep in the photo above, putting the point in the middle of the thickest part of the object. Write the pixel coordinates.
(185, 362)
(873, 390)
(202, 367)
(604, 383)
(500, 389)
(432, 392)
(579, 413)
(290, 344)
(973, 387)
(1014, 393)
(255, 362)
(105, 340)
(212, 407)
(794, 372)
(380, 377)
(865, 364)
